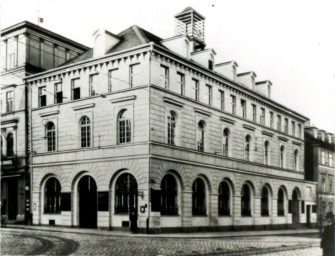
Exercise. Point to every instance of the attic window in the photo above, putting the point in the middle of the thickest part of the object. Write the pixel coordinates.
(210, 64)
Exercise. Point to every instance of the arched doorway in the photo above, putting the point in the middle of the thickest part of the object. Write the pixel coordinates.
(295, 207)
(87, 190)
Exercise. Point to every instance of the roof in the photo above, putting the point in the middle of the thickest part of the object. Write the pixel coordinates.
(310, 139)
(187, 10)
(131, 37)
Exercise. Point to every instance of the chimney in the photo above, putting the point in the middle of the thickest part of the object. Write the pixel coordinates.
(264, 88)
(228, 69)
(103, 41)
(247, 79)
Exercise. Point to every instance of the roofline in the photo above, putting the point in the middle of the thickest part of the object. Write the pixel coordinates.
(226, 63)
(245, 73)
(263, 82)
(192, 10)
(28, 24)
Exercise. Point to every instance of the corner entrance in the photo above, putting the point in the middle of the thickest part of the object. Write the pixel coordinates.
(87, 189)
(295, 207)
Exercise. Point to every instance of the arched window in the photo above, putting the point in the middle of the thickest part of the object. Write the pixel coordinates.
(245, 201)
(247, 148)
(52, 196)
(169, 195)
(224, 199)
(125, 194)
(225, 142)
(124, 127)
(171, 127)
(85, 132)
(198, 197)
(201, 136)
(282, 157)
(296, 160)
(265, 202)
(10, 145)
(51, 136)
(280, 203)
(266, 153)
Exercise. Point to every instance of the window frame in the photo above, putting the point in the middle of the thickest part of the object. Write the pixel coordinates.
(244, 108)
(54, 196)
(10, 101)
(93, 92)
(254, 113)
(165, 76)
(10, 147)
(171, 119)
(75, 89)
(50, 135)
(222, 100)
(224, 199)
(225, 142)
(169, 196)
(265, 202)
(196, 89)
(181, 82)
(201, 136)
(262, 117)
(42, 97)
(233, 104)
(246, 201)
(85, 132)
(133, 75)
(199, 207)
(58, 95)
(210, 94)
(124, 127)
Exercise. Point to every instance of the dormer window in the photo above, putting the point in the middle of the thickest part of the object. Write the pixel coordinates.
(211, 62)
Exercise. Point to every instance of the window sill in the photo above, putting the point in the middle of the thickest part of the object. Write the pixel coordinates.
(170, 215)
(199, 215)
(225, 216)
(52, 213)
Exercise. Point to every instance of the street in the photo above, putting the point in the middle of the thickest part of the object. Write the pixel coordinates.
(34, 242)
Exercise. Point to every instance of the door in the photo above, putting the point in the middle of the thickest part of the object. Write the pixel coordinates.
(295, 207)
(12, 198)
(87, 202)
(308, 215)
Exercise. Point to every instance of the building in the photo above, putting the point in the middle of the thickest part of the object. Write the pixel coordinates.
(319, 164)
(25, 49)
(157, 126)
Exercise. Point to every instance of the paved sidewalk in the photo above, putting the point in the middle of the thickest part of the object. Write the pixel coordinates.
(166, 235)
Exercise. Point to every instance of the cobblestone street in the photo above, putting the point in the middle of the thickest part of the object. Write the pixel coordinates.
(30, 242)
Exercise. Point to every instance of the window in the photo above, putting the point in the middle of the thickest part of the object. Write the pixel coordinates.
(1, 146)
(210, 96)
(323, 157)
(58, 93)
(165, 77)
(224, 199)
(124, 127)
(278, 122)
(244, 108)
(10, 101)
(42, 97)
(280, 203)
(266, 153)
(171, 128)
(210, 64)
(265, 202)
(75, 89)
(10, 145)
(52, 196)
(198, 197)
(271, 119)
(247, 148)
(254, 113)
(169, 195)
(111, 78)
(12, 60)
(196, 89)
(293, 128)
(51, 136)
(299, 130)
(323, 181)
(222, 100)
(245, 201)
(286, 126)
(302, 206)
(125, 194)
(93, 84)
(330, 178)
(134, 75)
(85, 132)
(330, 162)
(282, 157)
(181, 83)
(296, 160)
(201, 136)
(225, 143)
(233, 104)
(262, 117)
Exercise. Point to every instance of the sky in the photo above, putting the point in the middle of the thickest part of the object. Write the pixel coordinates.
(291, 43)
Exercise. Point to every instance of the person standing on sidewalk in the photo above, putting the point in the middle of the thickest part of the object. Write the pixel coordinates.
(328, 236)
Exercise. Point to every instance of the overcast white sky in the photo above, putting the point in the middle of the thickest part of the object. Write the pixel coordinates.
(291, 43)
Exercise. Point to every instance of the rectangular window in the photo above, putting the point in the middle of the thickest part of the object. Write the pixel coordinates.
(181, 83)
(278, 122)
(12, 60)
(75, 95)
(293, 128)
(299, 130)
(10, 101)
(302, 206)
(111, 79)
(286, 126)
(42, 97)
(254, 113)
(271, 119)
(330, 162)
(221, 100)
(244, 108)
(134, 75)
(262, 118)
(323, 157)
(58, 93)
(233, 104)
(165, 77)
(210, 96)
(196, 89)
(93, 84)
(330, 178)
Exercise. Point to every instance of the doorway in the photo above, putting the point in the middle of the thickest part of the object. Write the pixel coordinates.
(295, 207)
(87, 189)
(12, 198)
(308, 215)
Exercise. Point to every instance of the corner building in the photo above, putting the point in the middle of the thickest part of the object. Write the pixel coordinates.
(157, 126)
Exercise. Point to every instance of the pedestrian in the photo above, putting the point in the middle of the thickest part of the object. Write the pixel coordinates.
(133, 220)
(328, 236)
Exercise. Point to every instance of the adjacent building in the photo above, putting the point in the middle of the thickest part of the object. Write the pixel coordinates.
(25, 49)
(319, 164)
(159, 127)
